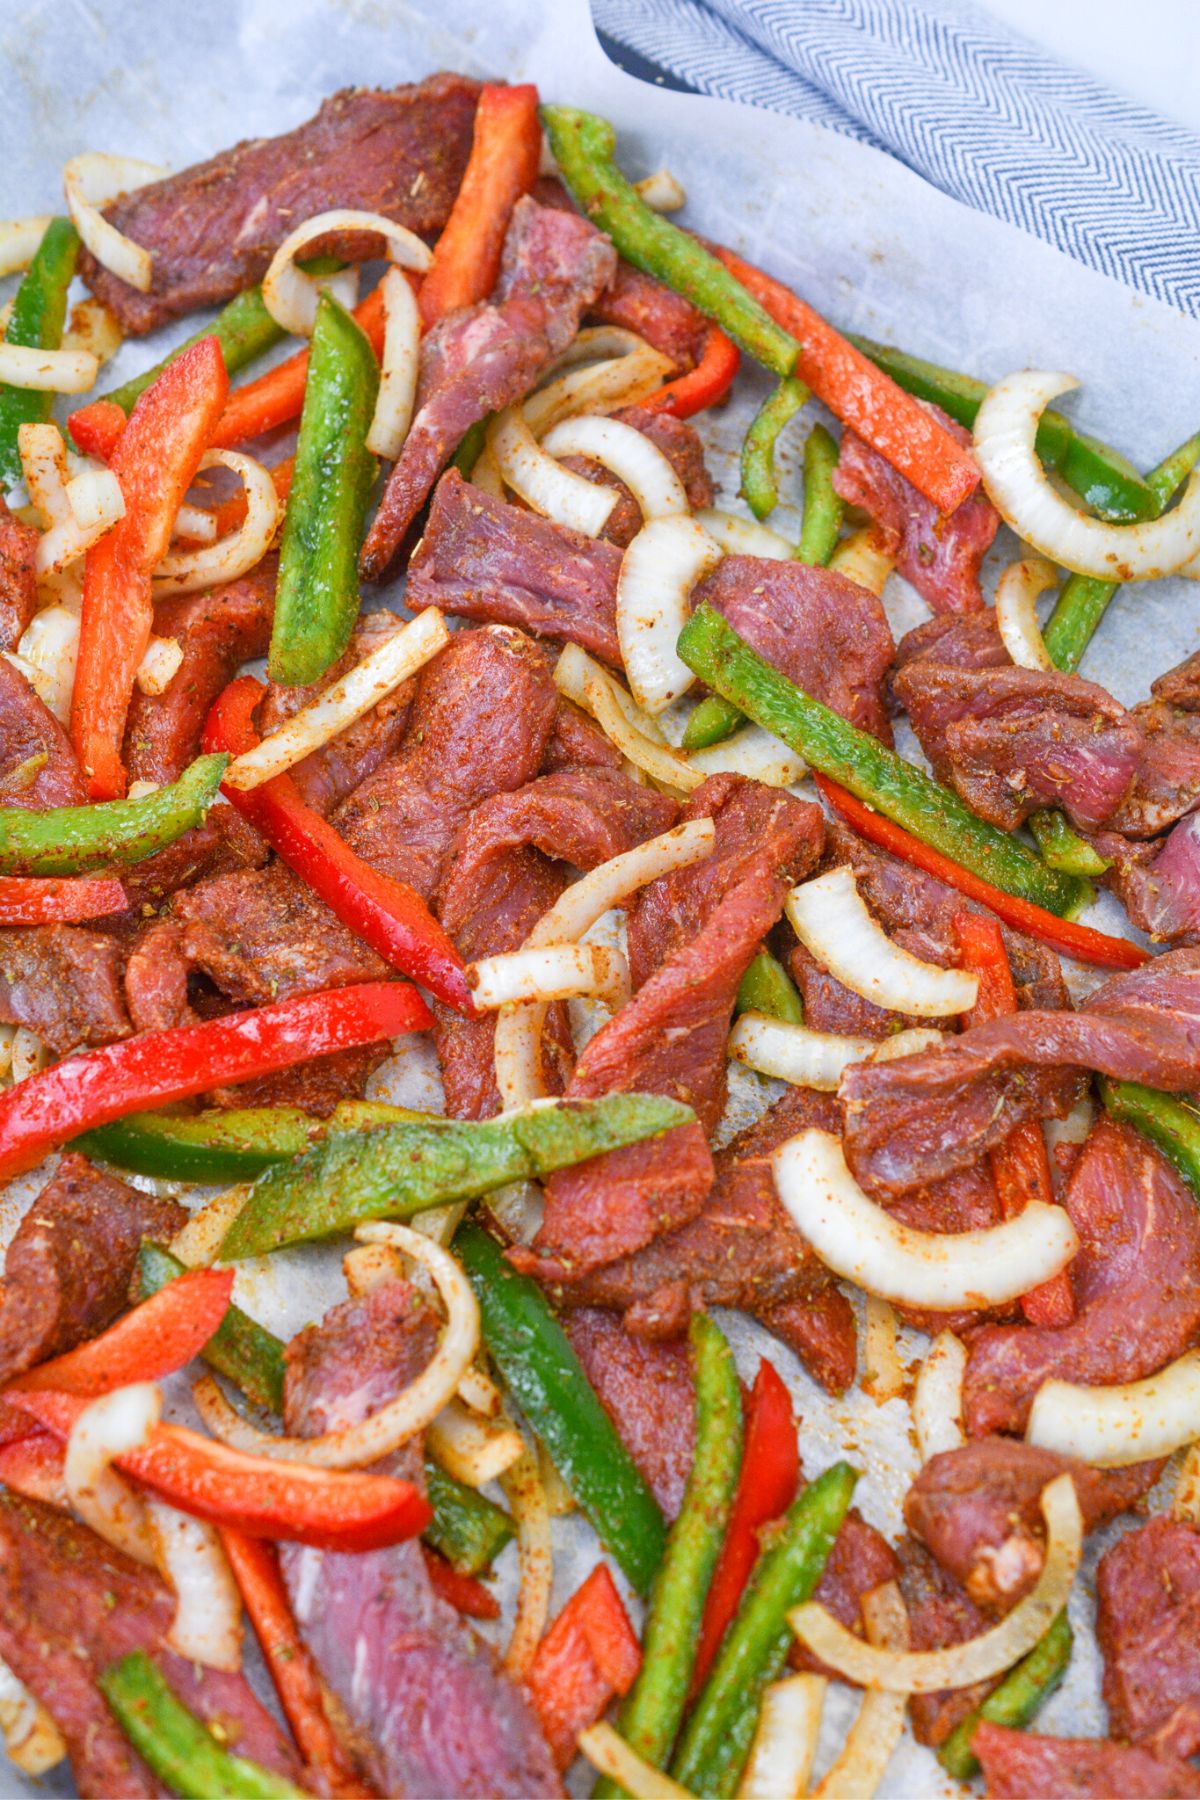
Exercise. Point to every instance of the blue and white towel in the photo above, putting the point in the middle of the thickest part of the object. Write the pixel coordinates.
(979, 111)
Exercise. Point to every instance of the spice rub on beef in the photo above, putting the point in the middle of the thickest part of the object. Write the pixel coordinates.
(1148, 1626)
(37, 764)
(212, 229)
(63, 982)
(18, 576)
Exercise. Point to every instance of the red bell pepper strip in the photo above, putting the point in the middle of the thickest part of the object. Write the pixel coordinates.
(57, 899)
(588, 1655)
(259, 1495)
(708, 382)
(95, 429)
(157, 1067)
(766, 1488)
(1020, 1166)
(385, 913)
(149, 1343)
(35, 1465)
(503, 165)
(862, 396)
(463, 1592)
(1079, 941)
(155, 460)
(275, 398)
(290, 1664)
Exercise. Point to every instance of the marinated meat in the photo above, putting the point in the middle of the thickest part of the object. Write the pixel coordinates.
(681, 446)
(212, 229)
(480, 359)
(940, 1614)
(64, 983)
(968, 640)
(18, 577)
(225, 842)
(578, 744)
(1136, 1279)
(646, 1389)
(1148, 1625)
(940, 555)
(1158, 883)
(1167, 783)
(37, 764)
(1022, 1765)
(860, 1560)
(68, 1268)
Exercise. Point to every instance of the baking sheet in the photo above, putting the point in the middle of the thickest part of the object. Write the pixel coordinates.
(861, 237)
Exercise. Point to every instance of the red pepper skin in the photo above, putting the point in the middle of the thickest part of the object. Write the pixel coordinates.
(766, 1488)
(157, 1067)
(385, 913)
(154, 460)
(708, 382)
(58, 900)
(1020, 1166)
(152, 1341)
(589, 1654)
(464, 1593)
(276, 398)
(257, 1495)
(35, 1465)
(1079, 941)
(96, 428)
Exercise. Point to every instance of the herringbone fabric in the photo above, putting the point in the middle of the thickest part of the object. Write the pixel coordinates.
(979, 111)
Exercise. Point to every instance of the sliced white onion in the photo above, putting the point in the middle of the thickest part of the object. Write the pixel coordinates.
(93, 181)
(207, 1627)
(937, 1402)
(44, 466)
(610, 1755)
(600, 387)
(31, 1738)
(658, 572)
(522, 1484)
(941, 1271)
(95, 503)
(92, 327)
(753, 752)
(480, 1393)
(559, 1498)
(347, 700)
(370, 1266)
(196, 1243)
(581, 678)
(112, 1426)
(398, 370)
(291, 296)
(1113, 1426)
(29, 1055)
(195, 523)
(1005, 429)
(48, 371)
(883, 1372)
(49, 647)
(743, 537)
(831, 920)
(876, 1732)
(785, 1744)
(1016, 620)
(864, 558)
(927, 1671)
(626, 453)
(594, 344)
(188, 571)
(160, 665)
(543, 483)
(472, 1449)
(19, 239)
(812, 1059)
(519, 1028)
(7, 1034)
(555, 972)
(1185, 1503)
(909, 1043)
(410, 1412)
(485, 474)
(661, 192)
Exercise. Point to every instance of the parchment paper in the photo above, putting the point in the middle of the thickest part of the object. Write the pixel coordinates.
(861, 237)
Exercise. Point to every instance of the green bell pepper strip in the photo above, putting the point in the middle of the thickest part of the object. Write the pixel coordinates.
(71, 840)
(653, 1708)
(545, 1377)
(1017, 1699)
(760, 488)
(766, 987)
(584, 148)
(716, 1739)
(714, 651)
(471, 448)
(181, 1751)
(1061, 848)
(210, 1146)
(823, 507)
(1084, 599)
(36, 322)
(316, 598)
(711, 722)
(1169, 1123)
(244, 329)
(1100, 475)
(398, 1170)
(467, 1528)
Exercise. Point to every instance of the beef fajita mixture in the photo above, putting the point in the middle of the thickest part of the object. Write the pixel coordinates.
(605, 796)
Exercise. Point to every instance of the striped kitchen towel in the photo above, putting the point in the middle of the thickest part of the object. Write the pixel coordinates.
(979, 111)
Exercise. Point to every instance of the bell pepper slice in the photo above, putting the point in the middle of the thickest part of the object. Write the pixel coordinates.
(158, 1067)
(1167, 1120)
(290, 1663)
(259, 1495)
(766, 987)
(1080, 941)
(96, 428)
(154, 460)
(66, 840)
(467, 1528)
(503, 165)
(244, 329)
(759, 486)
(35, 1465)
(463, 1592)
(149, 1343)
(589, 1654)
(385, 913)
(823, 505)
(708, 382)
(1017, 1699)
(240, 1348)
(209, 1146)
(276, 398)
(766, 1488)
(39, 311)
(1020, 1166)
(41, 900)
